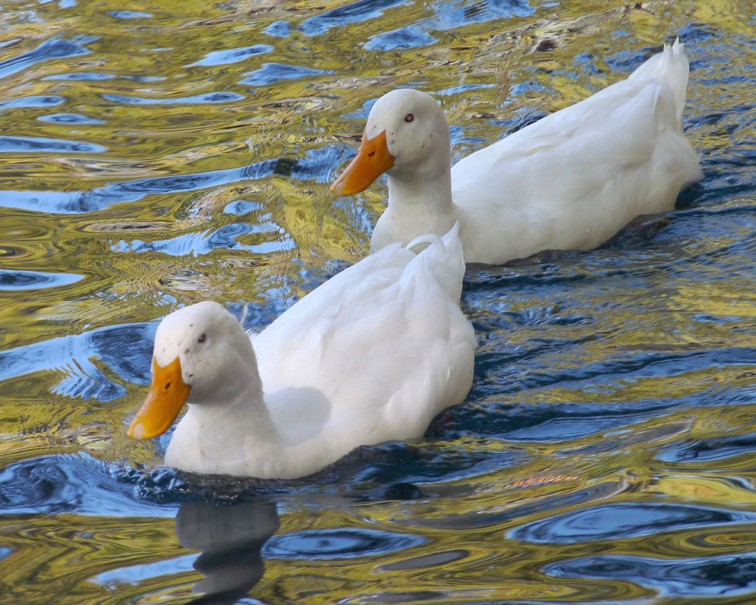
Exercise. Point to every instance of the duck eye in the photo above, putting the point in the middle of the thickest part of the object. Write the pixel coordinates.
(202, 338)
(409, 118)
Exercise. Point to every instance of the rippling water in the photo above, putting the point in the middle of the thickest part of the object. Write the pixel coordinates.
(158, 154)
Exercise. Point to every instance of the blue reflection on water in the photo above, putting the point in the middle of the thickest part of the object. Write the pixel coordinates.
(407, 37)
(242, 207)
(707, 450)
(44, 145)
(33, 101)
(346, 543)
(726, 575)
(363, 10)
(279, 29)
(448, 16)
(234, 55)
(82, 76)
(136, 574)
(70, 483)
(125, 349)
(205, 242)
(203, 99)
(54, 48)
(316, 165)
(271, 73)
(130, 15)
(33, 280)
(70, 118)
(627, 520)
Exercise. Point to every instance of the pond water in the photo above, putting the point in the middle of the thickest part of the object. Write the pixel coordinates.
(158, 154)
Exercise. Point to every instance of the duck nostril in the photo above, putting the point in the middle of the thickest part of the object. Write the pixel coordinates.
(371, 154)
(166, 386)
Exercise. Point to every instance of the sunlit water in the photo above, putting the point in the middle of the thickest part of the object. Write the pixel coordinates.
(158, 154)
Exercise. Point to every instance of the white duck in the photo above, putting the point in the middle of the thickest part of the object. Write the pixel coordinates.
(568, 181)
(371, 355)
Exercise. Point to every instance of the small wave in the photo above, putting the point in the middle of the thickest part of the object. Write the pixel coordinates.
(234, 55)
(54, 48)
(44, 145)
(205, 99)
(272, 73)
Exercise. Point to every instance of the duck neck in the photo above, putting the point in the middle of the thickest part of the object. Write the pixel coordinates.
(241, 414)
(231, 425)
(420, 202)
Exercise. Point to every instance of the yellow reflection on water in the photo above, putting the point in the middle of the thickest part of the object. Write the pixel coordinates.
(137, 83)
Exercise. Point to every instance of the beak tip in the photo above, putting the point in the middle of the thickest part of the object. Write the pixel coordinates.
(136, 431)
(337, 187)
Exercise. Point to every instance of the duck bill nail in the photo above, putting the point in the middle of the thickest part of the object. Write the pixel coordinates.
(168, 394)
(373, 159)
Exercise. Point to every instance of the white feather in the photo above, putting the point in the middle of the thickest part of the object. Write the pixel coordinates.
(371, 355)
(568, 181)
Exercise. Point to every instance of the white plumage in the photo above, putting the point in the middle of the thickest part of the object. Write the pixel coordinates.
(371, 355)
(569, 181)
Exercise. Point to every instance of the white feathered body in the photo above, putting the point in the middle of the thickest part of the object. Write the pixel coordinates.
(574, 178)
(371, 355)
(569, 181)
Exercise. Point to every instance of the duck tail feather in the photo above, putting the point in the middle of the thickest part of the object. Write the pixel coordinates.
(444, 259)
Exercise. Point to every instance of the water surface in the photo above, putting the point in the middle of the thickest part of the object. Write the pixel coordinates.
(155, 155)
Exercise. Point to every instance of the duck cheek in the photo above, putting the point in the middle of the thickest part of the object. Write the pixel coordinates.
(372, 160)
(167, 395)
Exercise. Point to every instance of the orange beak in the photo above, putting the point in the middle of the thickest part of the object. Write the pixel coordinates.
(373, 159)
(168, 394)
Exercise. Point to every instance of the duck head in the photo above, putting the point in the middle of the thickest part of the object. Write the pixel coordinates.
(202, 351)
(406, 136)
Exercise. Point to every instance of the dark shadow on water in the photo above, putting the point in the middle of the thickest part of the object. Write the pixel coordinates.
(231, 539)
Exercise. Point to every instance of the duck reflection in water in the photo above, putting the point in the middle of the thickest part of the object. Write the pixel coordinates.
(231, 540)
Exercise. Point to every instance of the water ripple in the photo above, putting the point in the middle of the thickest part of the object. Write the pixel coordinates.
(205, 242)
(130, 15)
(363, 10)
(707, 450)
(558, 501)
(82, 76)
(627, 520)
(346, 543)
(449, 16)
(34, 280)
(204, 99)
(70, 118)
(272, 73)
(74, 202)
(44, 145)
(646, 365)
(125, 349)
(234, 55)
(54, 48)
(77, 484)
(404, 38)
(33, 101)
(279, 29)
(316, 165)
(722, 576)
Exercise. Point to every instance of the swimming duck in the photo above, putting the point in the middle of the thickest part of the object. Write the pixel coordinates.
(371, 355)
(569, 181)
